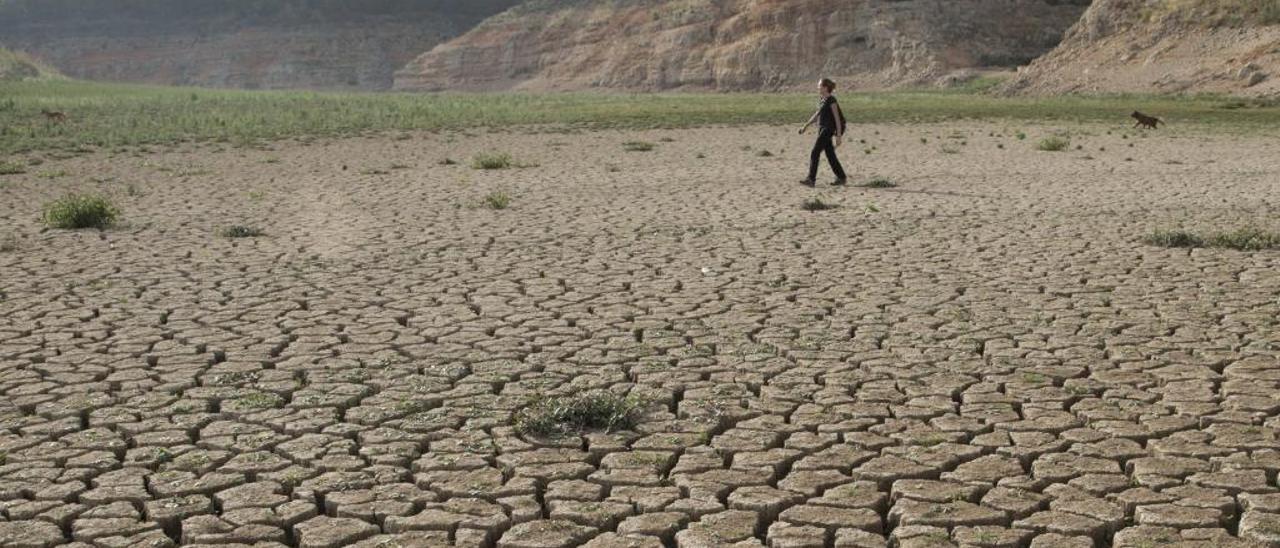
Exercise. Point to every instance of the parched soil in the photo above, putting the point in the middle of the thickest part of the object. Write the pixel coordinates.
(984, 355)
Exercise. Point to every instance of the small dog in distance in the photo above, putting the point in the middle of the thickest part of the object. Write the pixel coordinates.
(1146, 121)
(54, 116)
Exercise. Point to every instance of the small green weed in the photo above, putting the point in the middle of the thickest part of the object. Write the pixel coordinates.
(1246, 239)
(240, 231)
(496, 200)
(568, 414)
(80, 211)
(816, 203)
(637, 146)
(880, 182)
(1053, 144)
(8, 167)
(492, 160)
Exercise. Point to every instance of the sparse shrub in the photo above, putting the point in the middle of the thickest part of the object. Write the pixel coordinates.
(1173, 238)
(491, 160)
(569, 414)
(1022, 136)
(80, 211)
(11, 168)
(240, 231)
(637, 146)
(880, 182)
(447, 162)
(1246, 239)
(1241, 239)
(764, 154)
(1053, 144)
(496, 200)
(816, 203)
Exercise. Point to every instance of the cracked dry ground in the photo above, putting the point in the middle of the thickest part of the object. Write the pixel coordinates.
(988, 357)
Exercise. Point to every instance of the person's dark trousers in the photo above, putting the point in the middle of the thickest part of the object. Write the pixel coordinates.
(825, 144)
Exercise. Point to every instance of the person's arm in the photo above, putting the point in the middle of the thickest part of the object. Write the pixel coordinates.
(812, 119)
(835, 115)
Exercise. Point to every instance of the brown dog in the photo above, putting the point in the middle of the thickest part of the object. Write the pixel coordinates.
(54, 116)
(1146, 121)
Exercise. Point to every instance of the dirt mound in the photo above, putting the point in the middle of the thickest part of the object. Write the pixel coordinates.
(739, 44)
(1222, 46)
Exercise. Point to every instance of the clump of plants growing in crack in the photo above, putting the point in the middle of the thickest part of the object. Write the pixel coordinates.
(598, 409)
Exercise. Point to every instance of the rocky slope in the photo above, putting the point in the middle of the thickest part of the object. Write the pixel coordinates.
(738, 44)
(1223, 46)
(314, 46)
(19, 66)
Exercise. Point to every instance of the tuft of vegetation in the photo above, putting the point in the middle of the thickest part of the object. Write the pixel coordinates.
(8, 167)
(637, 146)
(1241, 239)
(764, 154)
(1053, 144)
(1246, 239)
(816, 203)
(447, 162)
(496, 200)
(880, 182)
(492, 160)
(80, 211)
(572, 414)
(240, 231)
(1173, 238)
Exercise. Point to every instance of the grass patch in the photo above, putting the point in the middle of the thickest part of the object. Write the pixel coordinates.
(1246, 239)
(568, 414)
(11, 168)
(240, 231)
(80, 211)
(1053, 144)
(880, 182)
(637, 146)
(492, 160)
(1241, 239)
(496, 200)
(1173, 238)
(816, 203)
(109, 116)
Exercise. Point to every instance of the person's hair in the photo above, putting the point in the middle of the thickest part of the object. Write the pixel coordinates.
(828, 83)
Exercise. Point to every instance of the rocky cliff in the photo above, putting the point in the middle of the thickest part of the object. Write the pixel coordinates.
(234, 43)
(1223, 46)
(738, 44)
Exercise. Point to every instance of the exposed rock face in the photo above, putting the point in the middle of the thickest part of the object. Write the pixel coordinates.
(347, 56)
(738, 44)
(1225, 46)
(357, 48)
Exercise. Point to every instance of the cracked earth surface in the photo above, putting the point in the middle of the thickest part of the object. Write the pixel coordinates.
(983, 356)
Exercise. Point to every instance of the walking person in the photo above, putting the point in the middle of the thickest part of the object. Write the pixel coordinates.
(831, 126)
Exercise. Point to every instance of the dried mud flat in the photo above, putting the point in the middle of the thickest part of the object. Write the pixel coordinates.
(985, 355)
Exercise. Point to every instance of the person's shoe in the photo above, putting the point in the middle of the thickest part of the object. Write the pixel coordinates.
(808, 182)
(840, 182)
